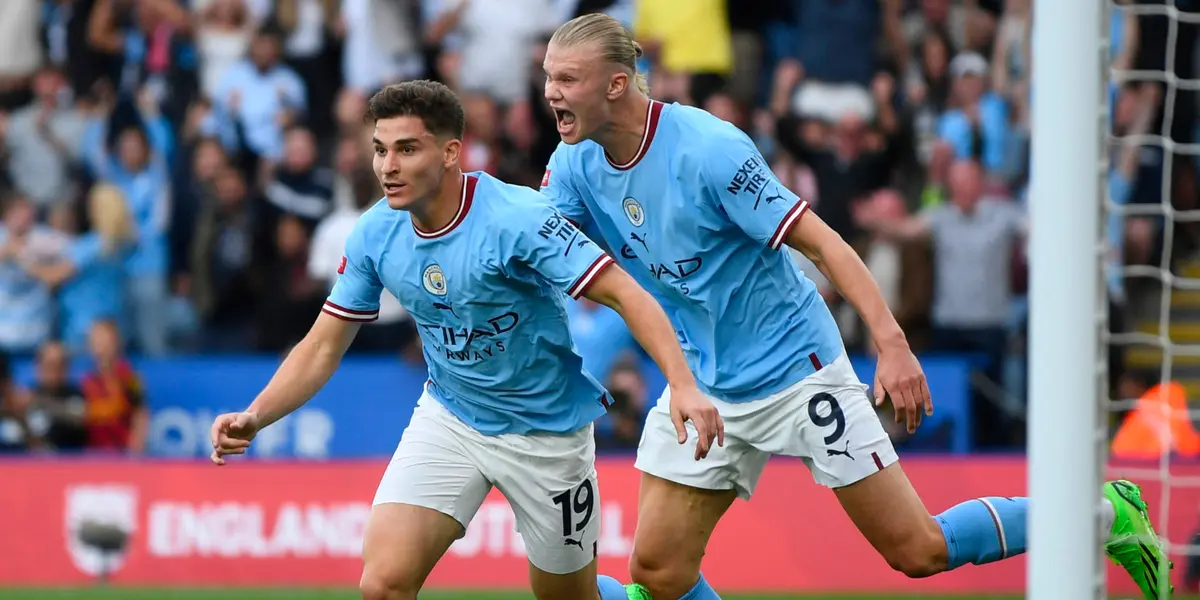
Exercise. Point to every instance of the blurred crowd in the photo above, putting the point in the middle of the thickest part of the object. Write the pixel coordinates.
(180, 175)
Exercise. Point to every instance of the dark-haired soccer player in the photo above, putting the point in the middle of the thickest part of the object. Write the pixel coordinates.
(484, 268)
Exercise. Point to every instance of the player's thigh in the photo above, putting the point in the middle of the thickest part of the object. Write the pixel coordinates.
(433, 478)
(401, 545)
(675, 523)
(681, 499)
(842, 440)
(550, 483)
(891, 516)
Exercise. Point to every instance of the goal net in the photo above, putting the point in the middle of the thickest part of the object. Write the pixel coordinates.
(1151, 271)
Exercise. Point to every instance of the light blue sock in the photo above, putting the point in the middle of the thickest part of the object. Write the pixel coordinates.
(610, 589)
(701, 591)
(984, 530)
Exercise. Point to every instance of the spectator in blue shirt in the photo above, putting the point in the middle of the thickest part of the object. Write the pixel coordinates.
(140, 171)
(261, 95)
(91, 276)
(26, 307)
(975, 113)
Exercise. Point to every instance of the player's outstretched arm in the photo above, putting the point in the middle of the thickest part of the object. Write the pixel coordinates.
(302, 374)
(899, 375)
(615, 289)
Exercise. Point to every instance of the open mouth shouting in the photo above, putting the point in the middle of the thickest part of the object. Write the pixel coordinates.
(565, 120)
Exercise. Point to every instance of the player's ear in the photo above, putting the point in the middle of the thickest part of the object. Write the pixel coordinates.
(451, 150)
(617, 84)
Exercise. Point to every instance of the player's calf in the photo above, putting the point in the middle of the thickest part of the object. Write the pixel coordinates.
(922, 555)
(890, 515)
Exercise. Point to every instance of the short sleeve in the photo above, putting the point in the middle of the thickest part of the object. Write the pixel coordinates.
(738, 176)
(355, 294)
(559, 186)
(556, 249)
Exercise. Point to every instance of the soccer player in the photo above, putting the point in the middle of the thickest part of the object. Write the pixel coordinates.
(689, 206)
(484, 268)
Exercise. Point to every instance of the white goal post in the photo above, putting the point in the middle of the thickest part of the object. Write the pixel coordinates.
(1067, 299)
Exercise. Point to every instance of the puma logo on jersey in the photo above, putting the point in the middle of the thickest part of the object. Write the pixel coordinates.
(768, 198)
(571, 542)
(445, 306)
(639, 239)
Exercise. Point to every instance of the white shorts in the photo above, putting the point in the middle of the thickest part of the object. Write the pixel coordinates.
(827, 420)
(548, 479)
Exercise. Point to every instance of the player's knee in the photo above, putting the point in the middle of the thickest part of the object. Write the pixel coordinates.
(920, 556)
(374, 586)
(664, 576)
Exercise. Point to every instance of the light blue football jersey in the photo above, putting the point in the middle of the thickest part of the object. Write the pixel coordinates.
(699, 219)
(488, 296)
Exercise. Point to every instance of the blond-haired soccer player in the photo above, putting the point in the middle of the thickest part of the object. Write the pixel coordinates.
(691, 209)
(484, 268)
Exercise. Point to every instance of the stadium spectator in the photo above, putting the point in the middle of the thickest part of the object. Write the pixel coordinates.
(484, 43)
(1158, 423)
(199, 162)
(26, 307)
(299, 187)
(902, 269)
(139, 168)
(90, 277)
(621, 428)
(58, 412)
(850, 160)
(690, 47)
(222, 257)
(20, 51)
(927, 88)
(261, 96)
(601, 337)
(43, 140)
(15, 434)
(829, 71)
(223, 32)
(312, 32)
(292, 296)
(382, 44)
(354, 184)
(117, 417)
(945, 16)
(977, 122)
(974, 239)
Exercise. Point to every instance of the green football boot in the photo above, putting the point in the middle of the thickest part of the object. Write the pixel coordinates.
(637, 592)
(1133, 544)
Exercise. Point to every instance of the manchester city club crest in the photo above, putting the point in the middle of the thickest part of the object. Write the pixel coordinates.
(434, 280)
(633, 210)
